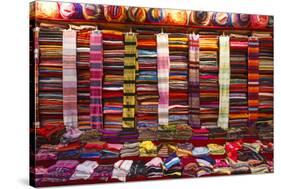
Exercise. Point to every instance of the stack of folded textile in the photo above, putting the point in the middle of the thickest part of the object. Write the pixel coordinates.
(69, 151)
(92, 149)
(206, 165)
(49, 134)
(154, 168)
(50, 77)
(184, 149)
(172, 166)
(200, 151)
(190, 166)
(137, 169)
(222, 167)
(102, 173)
(200, 134)
(217, 133)
(129, 149)
(163, 150)
(46, 154)
(61, 171)
(72, 135)
(146, 86)
(238, 110)
(216, 149)
(84, 170)
(209, 87)
(121, 169)
(264, 122)
(178, 86)
(83, 79)
(89, 135)
(111, 150)
(148, 149)
(166, 134)
(239, 167)
(39, 173)
(113, 66)
(183, 132)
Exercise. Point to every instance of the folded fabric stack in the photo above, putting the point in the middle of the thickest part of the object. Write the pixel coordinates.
(163, 150)
(172, 166)
(121, 169)
(102, 173)
(90, 135)
(206, 165)
(146, 86)
(50, 77)
(200, 134)
(265, 119)
(148, 149)
(166, 134)
(129, 149)
(69, 154)
(137, 169)
(200, 151)
(111, 150)
(178, 90)
(46, 154)
(113, 66)
(49, 134)
(216, 149)
(92, 149)
(238, 110)
(39, 173)
(61, 171)
(154, 168)
(83, 79)
(184, 149)
(239, 167)
(84, 170)
(217, 133)
(222, 167)
(209, 88)
(72, 135)
(190, 166)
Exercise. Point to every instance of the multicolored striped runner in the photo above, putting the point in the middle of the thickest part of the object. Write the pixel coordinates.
(96, 78)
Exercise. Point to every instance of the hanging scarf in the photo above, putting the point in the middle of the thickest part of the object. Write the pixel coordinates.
(224, 81)
(69, 79)
(163, 68)
(194, 85)
(129, 85)
(96, 75)
(253, 81)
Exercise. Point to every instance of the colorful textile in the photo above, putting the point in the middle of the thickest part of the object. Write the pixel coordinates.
(221, 19)
(115, 13)
(224, 81)
(259, 21)
(163, 68)
(96, 76)
(240, 20)
(202, 18)
(129, 85)
(137, 14)
(70, 10)
(92, 12)
(69, 79)
(253, 81)
(155, 15)
(36, 75)
(176, 17)
(194, 103)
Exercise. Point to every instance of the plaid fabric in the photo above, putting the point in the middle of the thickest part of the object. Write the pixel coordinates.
(224, 81)
(194, 89)
(253, 80)
(96, 77)
(163, 68)
(36, 75)
(69, 79)
(129, 85)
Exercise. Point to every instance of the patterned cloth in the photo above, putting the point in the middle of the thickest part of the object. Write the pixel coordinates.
(194, 103)
(96, 72)
(224, 81)
(163, 68)
(69, 79)
(36, 74)
(253, 81)
(129, 85)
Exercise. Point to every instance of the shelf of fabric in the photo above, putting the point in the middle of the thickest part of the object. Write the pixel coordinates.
(83, 79)
(50, 77)
(209, 87)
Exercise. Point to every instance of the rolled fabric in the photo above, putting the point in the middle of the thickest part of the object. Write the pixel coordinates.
(115, 13)
(92, 12)
(71, 11)
(221, 19)
(259, 21)
(176, 17)
(202, 18)
(240, 20)
(46, 9)
(270, 22)
(137, 14)
(155, 15)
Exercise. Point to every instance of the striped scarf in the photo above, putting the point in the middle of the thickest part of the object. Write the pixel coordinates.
(163, 68)
(194, 89)
(224, 81)
(129, 85)
(69, 79)
(96, 75)
(253, 81)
